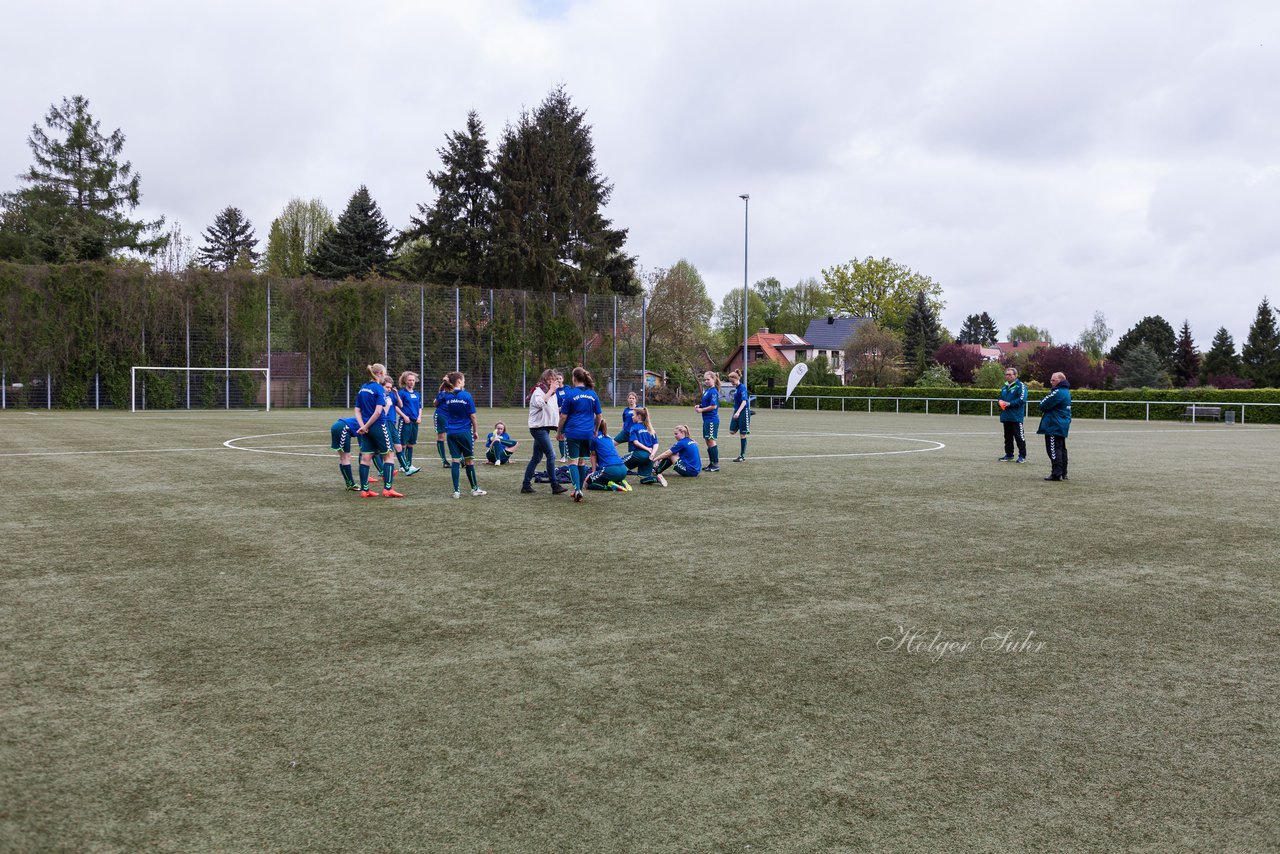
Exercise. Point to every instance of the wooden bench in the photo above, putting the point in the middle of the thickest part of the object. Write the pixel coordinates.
(1198, 412)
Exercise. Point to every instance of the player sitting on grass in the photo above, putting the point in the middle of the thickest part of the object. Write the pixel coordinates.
(683, 456)
(499, 445)
(608, 471)
(643, 446)
(340, 440)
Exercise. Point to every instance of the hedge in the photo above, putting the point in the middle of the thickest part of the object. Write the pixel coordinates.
(1166, 404)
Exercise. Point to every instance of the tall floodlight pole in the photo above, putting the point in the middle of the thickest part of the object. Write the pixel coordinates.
(746, 209)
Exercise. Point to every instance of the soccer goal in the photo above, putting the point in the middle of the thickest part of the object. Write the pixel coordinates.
(198, 388)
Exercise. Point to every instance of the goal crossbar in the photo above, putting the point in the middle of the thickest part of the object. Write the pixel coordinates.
(133, 379)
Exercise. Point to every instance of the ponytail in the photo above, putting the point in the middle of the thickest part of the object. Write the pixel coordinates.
(583, 376)
(376, 370)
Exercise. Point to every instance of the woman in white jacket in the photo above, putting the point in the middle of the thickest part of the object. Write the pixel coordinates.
(544, 416)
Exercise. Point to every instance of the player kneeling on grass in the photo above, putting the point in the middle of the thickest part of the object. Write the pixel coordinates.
(499, 445)
(461, 429)
(340, 440)
(683, 456)
(608, 470)
(628, 416)
(374, 437)
(643, 446)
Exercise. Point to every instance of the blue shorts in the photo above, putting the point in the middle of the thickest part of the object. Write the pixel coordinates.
(377, 440)
(460, 447)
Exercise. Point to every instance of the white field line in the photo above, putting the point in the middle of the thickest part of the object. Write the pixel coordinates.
(87, 453)
(230, 443)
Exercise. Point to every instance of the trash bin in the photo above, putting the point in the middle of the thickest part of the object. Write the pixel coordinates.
(1231, 416)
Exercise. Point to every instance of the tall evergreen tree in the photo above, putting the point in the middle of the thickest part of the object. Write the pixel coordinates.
(79, 194)
(458, 230)
(1186, 364)
(1261, 351)
(1222, 359)
(359, 246)
(229, 242)
(1155, 331)
(978, 329)
(921, 337)
(1142, 368)
(295, 235)
(552, 234)
(969, 333)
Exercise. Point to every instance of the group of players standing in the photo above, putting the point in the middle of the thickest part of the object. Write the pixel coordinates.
(386, 418)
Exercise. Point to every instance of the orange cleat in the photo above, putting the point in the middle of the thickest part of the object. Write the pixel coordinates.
(368, 493)
(391, 493)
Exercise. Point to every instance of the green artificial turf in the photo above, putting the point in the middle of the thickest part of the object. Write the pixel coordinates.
(208, 649)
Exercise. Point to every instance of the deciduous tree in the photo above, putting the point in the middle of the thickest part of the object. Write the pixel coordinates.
(1094, 337)
(1156, 332)
(880, 289)
(295, 235)
(874, 355)
(679, 311)
(1027, 332)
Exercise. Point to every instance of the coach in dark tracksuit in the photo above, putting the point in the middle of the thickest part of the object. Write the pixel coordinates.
(1055, 422)
(1013, 409)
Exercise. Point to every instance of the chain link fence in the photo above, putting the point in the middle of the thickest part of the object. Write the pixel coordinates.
(72, 337)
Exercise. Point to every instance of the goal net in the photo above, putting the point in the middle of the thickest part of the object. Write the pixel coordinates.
(167, 387)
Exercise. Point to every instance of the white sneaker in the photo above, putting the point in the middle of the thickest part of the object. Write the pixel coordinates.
(457, 495)
(662, 481)
(478, 491)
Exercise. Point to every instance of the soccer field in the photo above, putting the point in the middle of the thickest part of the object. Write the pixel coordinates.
(869, 637)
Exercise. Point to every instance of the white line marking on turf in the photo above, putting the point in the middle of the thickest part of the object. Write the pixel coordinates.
(230, 443)
(937, 446)
(86, 453)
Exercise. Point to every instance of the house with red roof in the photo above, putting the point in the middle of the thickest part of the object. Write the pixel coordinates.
(781, 348)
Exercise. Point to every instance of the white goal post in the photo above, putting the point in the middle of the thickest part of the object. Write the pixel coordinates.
(133, 379)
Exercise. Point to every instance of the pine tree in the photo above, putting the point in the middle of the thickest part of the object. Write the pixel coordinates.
(1186, 364)
(229, 242)
(552, 234)
(359, 246)
(921, 337)
(988, 332)
(458, 229)
(1261, 351)
(78, 196)
(1142, 368)
(1221, 360)
(970, 332)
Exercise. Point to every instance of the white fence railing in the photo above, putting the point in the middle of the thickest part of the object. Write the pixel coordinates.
(1192, 410)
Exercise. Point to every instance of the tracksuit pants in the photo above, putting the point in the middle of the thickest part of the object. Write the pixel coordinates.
(1013, 433)
(1056, 446)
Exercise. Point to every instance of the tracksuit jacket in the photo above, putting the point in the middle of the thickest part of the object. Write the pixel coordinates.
(1055, 419)
(1015, 394)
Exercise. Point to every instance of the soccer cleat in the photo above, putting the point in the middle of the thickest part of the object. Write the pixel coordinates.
(353, 487)
(1021, 460)
(577, 495)
(391, 493)
(624, 486)
(478, 491)
(368, 493)
(662, 481)
(446, 465)
(713, 468)
(411, 471)
(739, 459)
(1007, 458)
(457, 495)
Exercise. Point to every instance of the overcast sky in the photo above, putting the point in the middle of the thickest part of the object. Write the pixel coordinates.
(1041, 161)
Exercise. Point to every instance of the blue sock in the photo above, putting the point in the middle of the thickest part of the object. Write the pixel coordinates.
(364, 476)
(346, 473)
(454, 470)
(575, 474)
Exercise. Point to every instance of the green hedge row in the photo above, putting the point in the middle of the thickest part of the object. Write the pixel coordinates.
(1164, 404)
